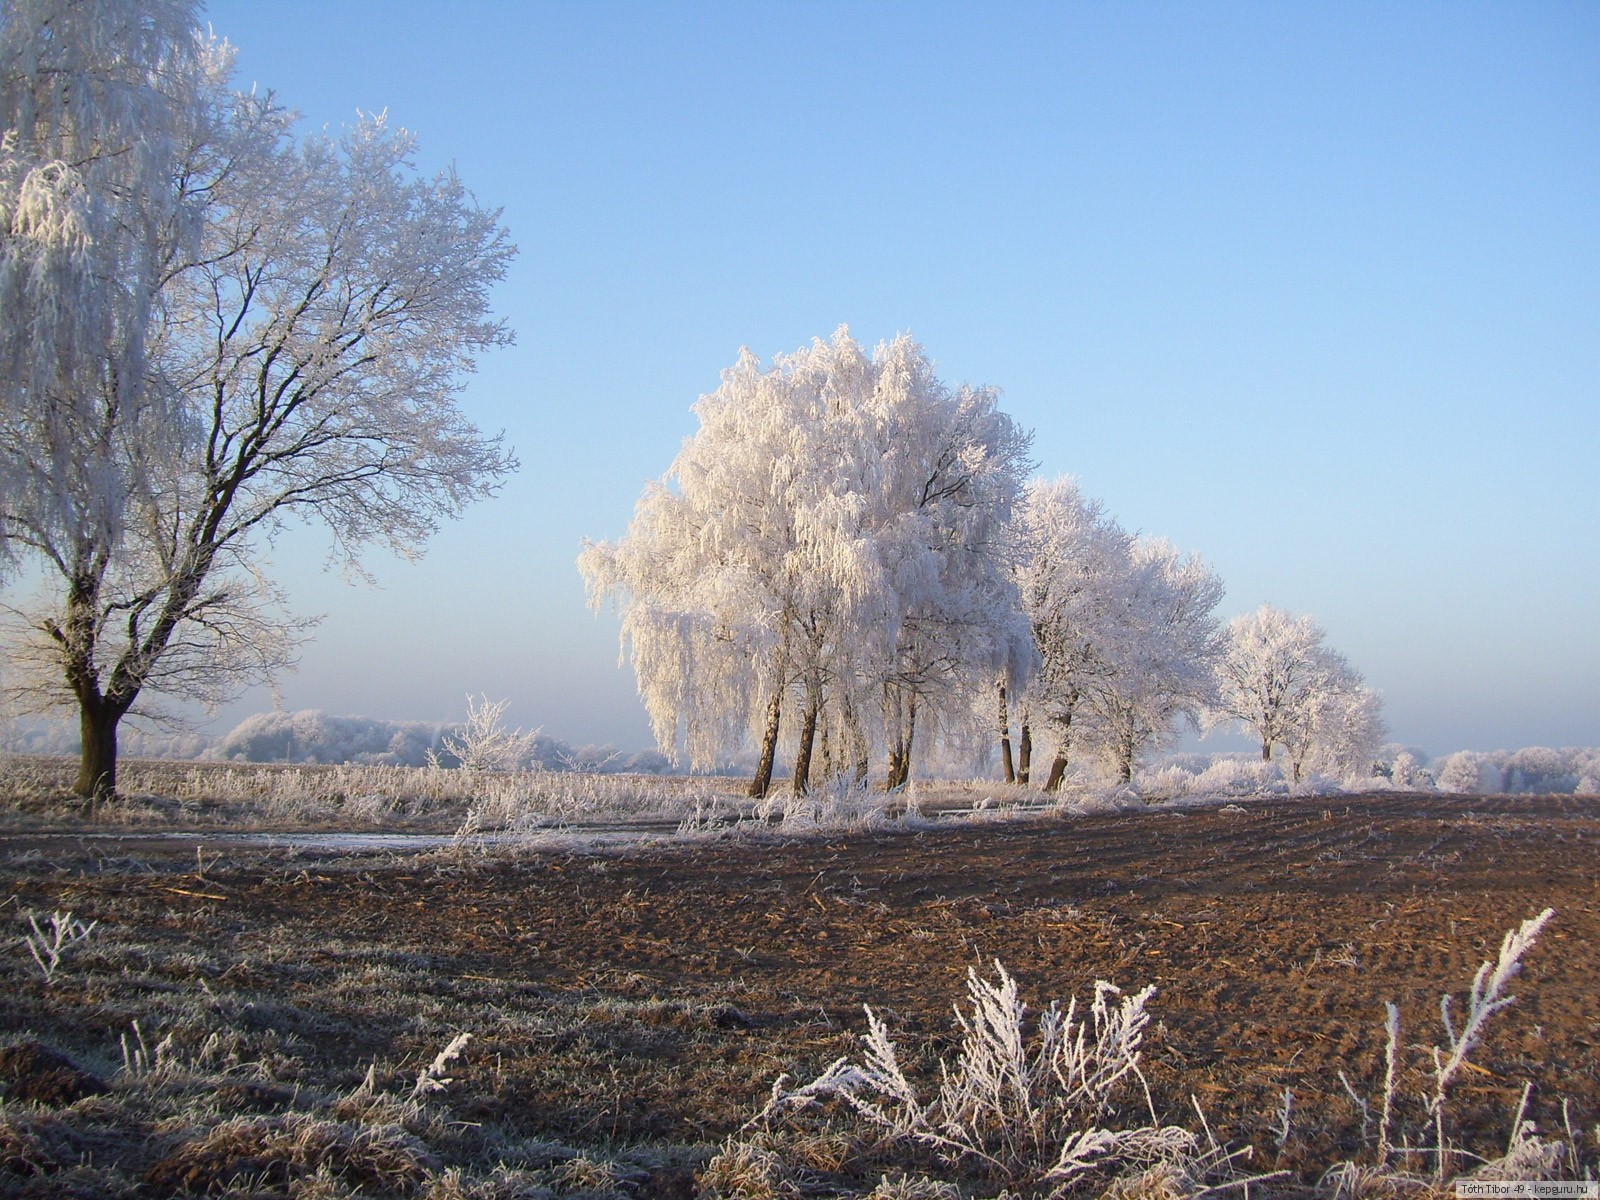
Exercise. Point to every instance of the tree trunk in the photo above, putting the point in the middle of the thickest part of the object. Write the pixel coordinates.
(1266, 750)
(808, 735)
(1024, 754)
(1058, 765)
(762, 783)
(900, 755)
(1005, 739)
(857, 740)
(1058, 769)
(97, 762)
(1125, 766)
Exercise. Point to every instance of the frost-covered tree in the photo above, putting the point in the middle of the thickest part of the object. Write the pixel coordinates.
(1278, 680)
(98, 103)
(302, 357)
(1159, 656)
(941, 472)
(719, 579)
(1073, 573)
(830, 540)
(1271, 666)
(1342, 729)
(484, 743)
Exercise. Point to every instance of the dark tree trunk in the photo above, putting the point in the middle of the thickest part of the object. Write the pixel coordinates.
(1058, 769)
(1024, 754)
(97, 762)
(1058, 765)
(899, 770)
(808, 735)
(762, 783)
(900, 755)
(1005, 739)
(1266, 750)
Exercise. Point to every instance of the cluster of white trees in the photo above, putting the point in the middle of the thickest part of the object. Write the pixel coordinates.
(1533, 769)
(826, 555)
(1123, 634)
(212, 326)
(845, 555)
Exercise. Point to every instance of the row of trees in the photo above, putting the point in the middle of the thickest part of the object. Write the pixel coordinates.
(845, 556)
(212, 326)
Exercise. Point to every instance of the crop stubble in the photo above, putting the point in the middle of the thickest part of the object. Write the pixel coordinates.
(653, 995)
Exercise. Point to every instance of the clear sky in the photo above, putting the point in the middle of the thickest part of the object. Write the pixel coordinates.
(1310, 289)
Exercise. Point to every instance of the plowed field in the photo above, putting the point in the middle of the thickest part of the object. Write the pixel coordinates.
(654, 995)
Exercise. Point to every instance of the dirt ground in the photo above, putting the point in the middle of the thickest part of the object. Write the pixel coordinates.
(653, 995)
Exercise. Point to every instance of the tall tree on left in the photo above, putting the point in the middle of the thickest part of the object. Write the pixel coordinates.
(209, 328)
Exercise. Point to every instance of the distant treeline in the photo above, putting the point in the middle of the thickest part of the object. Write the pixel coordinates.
(311, 736)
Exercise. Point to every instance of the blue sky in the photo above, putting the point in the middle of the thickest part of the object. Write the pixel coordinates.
(1310, 289)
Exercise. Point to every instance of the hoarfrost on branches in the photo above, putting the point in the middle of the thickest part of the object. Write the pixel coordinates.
(1072, 571)
(98, 103)
(1162, 649)
(308, 311)
(1122, 627)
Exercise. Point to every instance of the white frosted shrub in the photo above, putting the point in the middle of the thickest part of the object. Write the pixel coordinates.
(1029, 1103)
(1168, 782)
(1201, 776)
(1233, 777)
(1468, 772)
(837, 805)
(1404, 769)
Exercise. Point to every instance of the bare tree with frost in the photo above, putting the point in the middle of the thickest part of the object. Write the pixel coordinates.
(1160, 656)
(1278, 680)
(828, 545)
(1074, 569)
(303, 349)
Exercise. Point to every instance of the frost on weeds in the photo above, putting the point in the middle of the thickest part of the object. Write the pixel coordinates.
(1395, 1170)
(432, 1077)
(49, 944)
(1027, 1105)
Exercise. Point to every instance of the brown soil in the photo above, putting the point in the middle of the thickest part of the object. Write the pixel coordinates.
(654, 995)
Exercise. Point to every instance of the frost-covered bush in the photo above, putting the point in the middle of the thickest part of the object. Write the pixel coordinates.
(1468, 771)
(1402, 768)
(484, 743)
(1029, 1103)
(1228, 775)
(60, 737)
(1539, 769)
(310, 736)
(839, 804)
